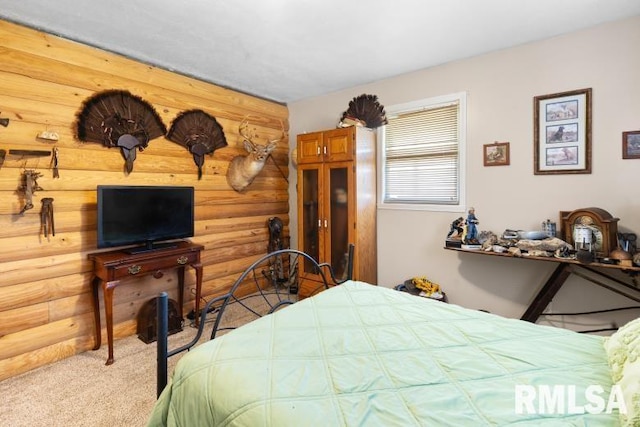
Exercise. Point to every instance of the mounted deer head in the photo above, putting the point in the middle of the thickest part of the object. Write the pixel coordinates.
(243, 169)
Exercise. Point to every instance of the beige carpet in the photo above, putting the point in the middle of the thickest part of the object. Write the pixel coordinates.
(83, 391)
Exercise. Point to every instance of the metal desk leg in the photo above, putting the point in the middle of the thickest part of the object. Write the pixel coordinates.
(198, 267)
(546, 294)
(181, 292)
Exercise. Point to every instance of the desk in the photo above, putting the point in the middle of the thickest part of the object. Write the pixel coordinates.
(110, 267)
(564, 269)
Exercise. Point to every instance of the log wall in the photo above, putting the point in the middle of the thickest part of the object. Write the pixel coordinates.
(45, 295)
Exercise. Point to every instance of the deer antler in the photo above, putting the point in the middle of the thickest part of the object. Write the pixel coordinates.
(282, 135)
(249, 134)
(245, 132)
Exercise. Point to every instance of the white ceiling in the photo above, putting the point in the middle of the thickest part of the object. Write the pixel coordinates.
(288, 50)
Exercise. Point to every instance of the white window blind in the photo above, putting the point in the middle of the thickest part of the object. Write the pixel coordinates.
(422, 156)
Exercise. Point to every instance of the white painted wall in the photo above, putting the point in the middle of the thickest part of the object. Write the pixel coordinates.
(501, 87)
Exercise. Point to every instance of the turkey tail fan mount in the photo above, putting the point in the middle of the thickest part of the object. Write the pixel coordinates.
(198, 132)
(116, 118)
(366, 108)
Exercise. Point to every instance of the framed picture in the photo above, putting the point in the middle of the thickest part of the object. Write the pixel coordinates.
(496, 154)
(562, 133)
(631, 144)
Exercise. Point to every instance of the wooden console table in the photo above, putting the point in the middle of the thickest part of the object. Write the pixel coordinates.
(565, 268)
(111, 267)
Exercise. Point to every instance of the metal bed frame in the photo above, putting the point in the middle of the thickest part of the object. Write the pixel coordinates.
(272, 280)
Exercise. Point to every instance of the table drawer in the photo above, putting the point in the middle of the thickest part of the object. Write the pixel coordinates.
(152, 265)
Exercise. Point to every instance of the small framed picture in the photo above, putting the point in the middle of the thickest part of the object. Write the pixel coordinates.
(496, 154)
(631, 144)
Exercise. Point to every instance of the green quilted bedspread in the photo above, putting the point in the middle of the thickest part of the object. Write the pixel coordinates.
(363, 355)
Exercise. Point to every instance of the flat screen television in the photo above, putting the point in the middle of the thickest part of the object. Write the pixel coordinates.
(144, 215)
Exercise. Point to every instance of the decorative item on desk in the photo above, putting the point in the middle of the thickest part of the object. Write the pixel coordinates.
(583, 237)
(549, 228)
(627, 241)
(564, 253)
(515, 251)
(454, 237)
(532, 235)
(487, 239)
(624, 258)
(592, 228)
(470, 229)
(549, 244)
(456, 228)
(585, 256)
(510, 234)
(453, 243)
(470, 246)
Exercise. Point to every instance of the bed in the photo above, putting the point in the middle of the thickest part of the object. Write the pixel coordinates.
(363, 355)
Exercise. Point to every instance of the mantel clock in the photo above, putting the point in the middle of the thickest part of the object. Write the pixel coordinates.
(590, 228)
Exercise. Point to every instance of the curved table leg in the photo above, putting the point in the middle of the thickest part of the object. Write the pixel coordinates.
(108, 289)
(95, 283)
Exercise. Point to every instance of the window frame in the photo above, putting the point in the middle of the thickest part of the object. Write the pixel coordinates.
(427, 103)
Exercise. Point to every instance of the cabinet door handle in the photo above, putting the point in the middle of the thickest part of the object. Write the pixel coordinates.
(318, 151)
(182, 260)
(324, 150)
(326, 224)
(134, 269)
(319, 223)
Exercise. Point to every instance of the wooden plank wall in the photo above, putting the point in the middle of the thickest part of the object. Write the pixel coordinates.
(45, 294)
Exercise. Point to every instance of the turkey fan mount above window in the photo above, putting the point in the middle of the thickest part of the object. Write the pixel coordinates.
(199, 133)
(364, 110)
(116, 118)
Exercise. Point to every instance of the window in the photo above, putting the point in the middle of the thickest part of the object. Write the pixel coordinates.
(422, 154)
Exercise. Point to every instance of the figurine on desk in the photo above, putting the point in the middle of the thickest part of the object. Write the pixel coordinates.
(454, 237)
(471, 236)
(464, 231)
(456, 227)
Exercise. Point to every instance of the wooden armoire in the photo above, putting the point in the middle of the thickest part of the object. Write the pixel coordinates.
(337, 203)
